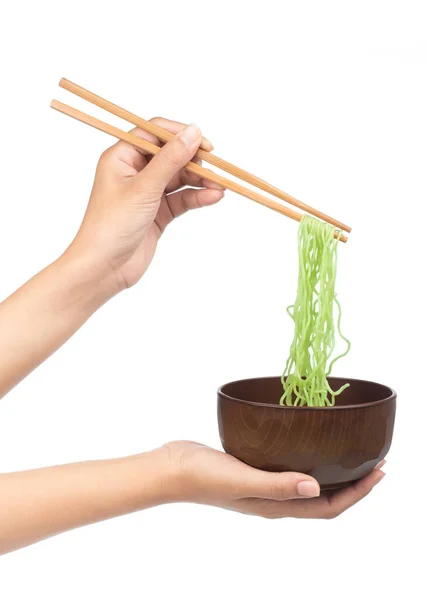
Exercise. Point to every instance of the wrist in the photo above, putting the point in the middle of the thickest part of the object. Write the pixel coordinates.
(181, 477)
(148, 479)
(92, 281)
(170, 482)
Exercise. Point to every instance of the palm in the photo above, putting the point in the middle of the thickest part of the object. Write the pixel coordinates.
(222, 480)
(144, 229)
(135, 267)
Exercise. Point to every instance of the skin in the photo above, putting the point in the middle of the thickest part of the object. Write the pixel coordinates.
(134, 198)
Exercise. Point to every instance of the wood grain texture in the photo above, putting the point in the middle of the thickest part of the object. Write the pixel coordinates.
(150, 148)
(165, 136)
(334, 445)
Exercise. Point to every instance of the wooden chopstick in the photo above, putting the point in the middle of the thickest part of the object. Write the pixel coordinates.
(193, 167)
(166, 136)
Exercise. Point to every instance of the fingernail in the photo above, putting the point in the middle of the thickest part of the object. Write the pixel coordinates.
(381, 464)
(190, 135)
(207, 142)
(309, 489)
(215, 186)
(217, 195)
(380, 477)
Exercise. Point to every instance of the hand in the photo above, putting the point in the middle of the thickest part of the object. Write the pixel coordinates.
(44, 502)
(134, 198)
(215, 478)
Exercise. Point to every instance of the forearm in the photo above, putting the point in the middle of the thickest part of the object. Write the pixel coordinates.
(46, 311)
(38, 504)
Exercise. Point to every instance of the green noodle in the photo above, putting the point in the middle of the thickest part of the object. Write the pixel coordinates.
(310, 360)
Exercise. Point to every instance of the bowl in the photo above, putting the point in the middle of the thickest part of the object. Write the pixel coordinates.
(335, 445)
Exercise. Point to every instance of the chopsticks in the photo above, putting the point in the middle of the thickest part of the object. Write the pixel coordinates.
(165, 136)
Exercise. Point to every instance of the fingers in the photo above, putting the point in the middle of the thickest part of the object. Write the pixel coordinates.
(134, 157)
(344, 499)
(172, 157)
(322, 507)
(190, 198)
(174, 205)
(184, 178)
(124, 154)
(176, 127)
(276, 486)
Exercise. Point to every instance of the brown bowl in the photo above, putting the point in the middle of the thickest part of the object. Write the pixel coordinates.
(335, 445)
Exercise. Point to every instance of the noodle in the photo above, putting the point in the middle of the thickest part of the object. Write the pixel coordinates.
(309, 364)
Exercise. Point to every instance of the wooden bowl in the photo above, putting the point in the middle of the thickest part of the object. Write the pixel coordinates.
(335, 445)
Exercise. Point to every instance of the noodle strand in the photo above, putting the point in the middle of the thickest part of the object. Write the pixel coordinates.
(310, 360)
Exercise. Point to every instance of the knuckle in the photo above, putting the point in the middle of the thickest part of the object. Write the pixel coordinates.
(279, 492)
(184, 201)
(106, 156)
(198, 199)
(173, 213)
(169, 161)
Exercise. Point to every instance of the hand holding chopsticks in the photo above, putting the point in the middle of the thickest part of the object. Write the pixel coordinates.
(165, 135)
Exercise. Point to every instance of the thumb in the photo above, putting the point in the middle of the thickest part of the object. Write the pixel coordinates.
(172, 158)
(279, 486)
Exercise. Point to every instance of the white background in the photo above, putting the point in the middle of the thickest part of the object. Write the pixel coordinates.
(326, 100)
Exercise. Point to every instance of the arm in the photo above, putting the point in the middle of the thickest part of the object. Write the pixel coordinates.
(44, 502)
(45, 312)
(132, 202)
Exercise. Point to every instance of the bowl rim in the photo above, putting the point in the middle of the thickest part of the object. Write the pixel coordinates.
(392, 396)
